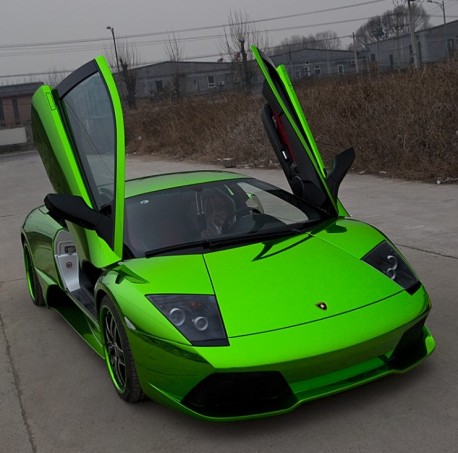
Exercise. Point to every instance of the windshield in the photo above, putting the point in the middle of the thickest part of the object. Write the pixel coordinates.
(210, 213)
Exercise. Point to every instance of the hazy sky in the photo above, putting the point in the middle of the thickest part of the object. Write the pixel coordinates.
(26, 22)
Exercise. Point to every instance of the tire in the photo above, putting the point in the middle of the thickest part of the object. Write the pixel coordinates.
(118, 355)
(33, 284)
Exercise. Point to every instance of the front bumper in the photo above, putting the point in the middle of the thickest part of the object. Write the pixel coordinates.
(255, 394)
(274, 372)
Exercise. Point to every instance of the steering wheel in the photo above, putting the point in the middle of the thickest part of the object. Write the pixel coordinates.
(238, 214)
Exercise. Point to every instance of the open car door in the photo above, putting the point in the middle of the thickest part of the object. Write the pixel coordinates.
(293, 142)
(78, 130)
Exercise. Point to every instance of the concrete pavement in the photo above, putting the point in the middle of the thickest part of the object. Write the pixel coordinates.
(55, 394)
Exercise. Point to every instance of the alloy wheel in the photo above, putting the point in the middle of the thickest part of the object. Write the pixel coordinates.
(114, 351)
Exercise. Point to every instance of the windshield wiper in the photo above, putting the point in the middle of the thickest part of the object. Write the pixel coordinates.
(246, 238)
(205, 244)
(259, 236)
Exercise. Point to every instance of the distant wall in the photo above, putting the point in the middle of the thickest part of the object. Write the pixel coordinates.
(13, 136)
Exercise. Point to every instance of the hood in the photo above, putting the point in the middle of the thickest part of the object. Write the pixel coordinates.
(279, 284)
(177, 274)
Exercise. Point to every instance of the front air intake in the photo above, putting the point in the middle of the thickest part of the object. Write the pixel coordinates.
(411, 348)
(238, 394)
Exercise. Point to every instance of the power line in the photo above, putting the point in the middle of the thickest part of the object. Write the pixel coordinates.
(186, 30)
(26, 52)
(193, 57)
(385, 52)
(78, 45)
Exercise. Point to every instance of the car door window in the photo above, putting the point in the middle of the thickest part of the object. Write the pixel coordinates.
(90, 118)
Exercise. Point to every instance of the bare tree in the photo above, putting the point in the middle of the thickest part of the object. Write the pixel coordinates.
(327, 40)
(392, 23)
(239, 34)
(128, 59)
(55, 76)
(174, 51)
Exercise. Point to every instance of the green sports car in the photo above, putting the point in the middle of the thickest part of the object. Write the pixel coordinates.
(212, 292)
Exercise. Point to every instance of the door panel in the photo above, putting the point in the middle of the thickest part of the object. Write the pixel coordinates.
(79, 132)
(291, 137)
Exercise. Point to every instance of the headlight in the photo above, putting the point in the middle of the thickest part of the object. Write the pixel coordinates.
(388, 261)
(197, 317)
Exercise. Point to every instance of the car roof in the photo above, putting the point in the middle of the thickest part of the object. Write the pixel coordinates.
(169, 180)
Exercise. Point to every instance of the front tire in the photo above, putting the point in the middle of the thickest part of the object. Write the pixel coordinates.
(33, 285)
(118, 355)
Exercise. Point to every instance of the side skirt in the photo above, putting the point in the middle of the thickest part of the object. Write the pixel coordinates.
(80, 322)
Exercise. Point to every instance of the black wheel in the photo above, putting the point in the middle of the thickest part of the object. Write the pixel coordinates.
(118, 355)
(35, 291)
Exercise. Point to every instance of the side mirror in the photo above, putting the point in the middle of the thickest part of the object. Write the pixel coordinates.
(74, 209)
(342, 163)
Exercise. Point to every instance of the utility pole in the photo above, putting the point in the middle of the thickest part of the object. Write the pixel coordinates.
(115, 48)
(413, 41)
(442, 6)
(355, 54)
(443, 12)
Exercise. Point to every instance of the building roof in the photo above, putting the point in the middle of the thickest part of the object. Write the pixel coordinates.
(310, 50)
(187, 64)
(20, 89)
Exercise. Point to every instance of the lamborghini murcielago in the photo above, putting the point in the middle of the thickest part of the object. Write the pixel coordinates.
(210, 291)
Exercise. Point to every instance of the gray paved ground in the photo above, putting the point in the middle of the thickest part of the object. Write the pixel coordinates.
(55, 395)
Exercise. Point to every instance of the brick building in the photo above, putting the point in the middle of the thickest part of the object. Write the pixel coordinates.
(15, 103)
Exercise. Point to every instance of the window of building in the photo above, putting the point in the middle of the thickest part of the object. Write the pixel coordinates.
(340, 69)
(317, 69)
(211, 81)
(307, 70)
(159, 86)
(16, 112)
(373, 57)
(2, 114)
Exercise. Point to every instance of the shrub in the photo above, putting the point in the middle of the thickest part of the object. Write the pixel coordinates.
(404, 124)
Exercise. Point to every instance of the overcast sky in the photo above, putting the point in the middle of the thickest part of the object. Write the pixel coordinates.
(53, 21)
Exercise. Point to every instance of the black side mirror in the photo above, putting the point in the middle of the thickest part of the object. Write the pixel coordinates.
(74, 209)
(342, 163)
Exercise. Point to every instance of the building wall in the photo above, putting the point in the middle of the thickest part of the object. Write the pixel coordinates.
(15, 103)
(316, 62)
(15, 111)
(195, 78)
(439, 43)
(391, 53)
(434, 44)
(153, 81)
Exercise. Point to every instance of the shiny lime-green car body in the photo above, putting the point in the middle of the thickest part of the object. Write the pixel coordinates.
(304, 315)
